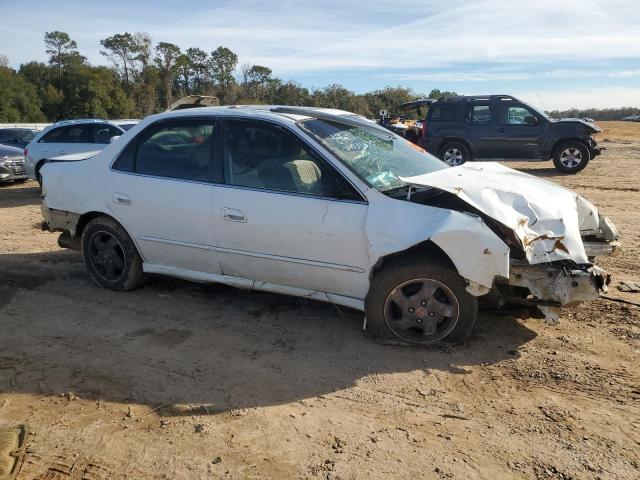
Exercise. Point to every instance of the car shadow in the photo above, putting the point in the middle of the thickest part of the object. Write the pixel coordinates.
(185, 348)
(542, 172)
(12, 196)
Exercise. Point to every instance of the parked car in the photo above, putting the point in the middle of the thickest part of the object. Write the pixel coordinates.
(326, 205)
(69, 137)
(632, 118)
(17, 137)
(460, 129)
(11, 164)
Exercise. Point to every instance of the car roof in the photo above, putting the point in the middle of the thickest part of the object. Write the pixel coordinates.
(486, 98)
(294, 113)
(81, 121)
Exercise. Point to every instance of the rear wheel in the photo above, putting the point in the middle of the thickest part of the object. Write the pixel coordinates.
(571, 157)
(455, 153)
(110, 256)
(420, 301)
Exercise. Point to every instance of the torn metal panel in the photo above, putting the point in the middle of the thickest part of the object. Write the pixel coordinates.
(59, 220)
(554, 286)
(478, 253)
(546, 218)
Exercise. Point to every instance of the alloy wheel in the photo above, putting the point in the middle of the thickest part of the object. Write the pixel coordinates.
(107, 256)
(453, 157)
(571, 157)
(421, 310)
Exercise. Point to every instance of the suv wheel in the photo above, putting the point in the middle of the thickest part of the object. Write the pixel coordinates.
(571, 157)
(455, 153)
(110, 256)
(420, 302)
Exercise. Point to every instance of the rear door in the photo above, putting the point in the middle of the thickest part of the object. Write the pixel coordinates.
(67, 140)
(160, 188)
(522, 132)
(481, 118)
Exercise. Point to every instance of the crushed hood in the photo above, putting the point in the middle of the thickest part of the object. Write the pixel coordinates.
(545, 217)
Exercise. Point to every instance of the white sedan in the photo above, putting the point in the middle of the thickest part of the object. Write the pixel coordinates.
(324, 204)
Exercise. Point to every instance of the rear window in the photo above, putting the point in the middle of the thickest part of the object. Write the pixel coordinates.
(442, 113)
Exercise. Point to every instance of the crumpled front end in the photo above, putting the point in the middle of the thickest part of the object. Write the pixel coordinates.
(552, 286)
(553, 233)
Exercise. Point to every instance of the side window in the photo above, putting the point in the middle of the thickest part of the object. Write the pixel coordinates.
(479, 114)
(70, 134)
(442, 113)
(102, 133)
(264, 156)
(57, 135)
(179, 149)
(517, 115)
(6, 136)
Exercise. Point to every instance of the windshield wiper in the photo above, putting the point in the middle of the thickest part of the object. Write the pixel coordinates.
(407, 189)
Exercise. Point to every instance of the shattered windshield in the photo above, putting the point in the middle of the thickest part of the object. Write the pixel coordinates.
(377, 157)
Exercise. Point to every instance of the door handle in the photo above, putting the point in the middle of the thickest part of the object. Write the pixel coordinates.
(121, 199)
(501, 130)
(233, 215)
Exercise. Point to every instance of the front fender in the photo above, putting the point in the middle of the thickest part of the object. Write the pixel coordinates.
(478, 254)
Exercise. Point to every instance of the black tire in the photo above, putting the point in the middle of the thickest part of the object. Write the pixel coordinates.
(571, 157)
(400, 276)
(110, 256)
(454, 153)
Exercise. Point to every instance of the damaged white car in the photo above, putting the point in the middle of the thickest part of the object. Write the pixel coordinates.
(324, 204)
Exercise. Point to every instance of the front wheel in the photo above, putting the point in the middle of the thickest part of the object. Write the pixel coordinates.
(571, 157)
(420, 301)
(110, 256)
(455, 153)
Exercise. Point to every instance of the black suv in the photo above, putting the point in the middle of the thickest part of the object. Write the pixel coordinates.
(460, 129)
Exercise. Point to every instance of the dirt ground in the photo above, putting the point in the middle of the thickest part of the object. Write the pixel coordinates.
(181, 380)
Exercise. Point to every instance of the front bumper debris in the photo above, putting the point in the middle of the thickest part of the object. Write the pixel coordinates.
(553, 286)
(603, 241)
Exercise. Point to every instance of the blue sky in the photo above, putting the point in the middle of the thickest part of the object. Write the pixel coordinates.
(554, 54)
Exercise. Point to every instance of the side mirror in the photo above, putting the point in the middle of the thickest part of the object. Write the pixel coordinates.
(530, 120)
(114, 138)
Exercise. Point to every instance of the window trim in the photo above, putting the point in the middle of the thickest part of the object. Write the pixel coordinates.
(211, 180)
(469, 109)
(504, 113)
(452, 106)
(306, 144)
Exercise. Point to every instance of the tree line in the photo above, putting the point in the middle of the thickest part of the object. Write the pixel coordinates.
(144, 78)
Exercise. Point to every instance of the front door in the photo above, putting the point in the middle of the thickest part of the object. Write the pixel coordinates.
(160, 189)
(285, 216)
(522, 132)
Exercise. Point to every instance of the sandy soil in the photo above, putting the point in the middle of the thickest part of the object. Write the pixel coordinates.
(180, 380)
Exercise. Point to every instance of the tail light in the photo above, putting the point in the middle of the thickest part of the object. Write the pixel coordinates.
(25, 152)
(424, 128)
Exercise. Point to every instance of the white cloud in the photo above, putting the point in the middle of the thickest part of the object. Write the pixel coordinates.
(292, 37)
(597, 97)
(501, 76)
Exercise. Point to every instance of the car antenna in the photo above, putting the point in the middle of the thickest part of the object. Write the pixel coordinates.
(542, 103)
